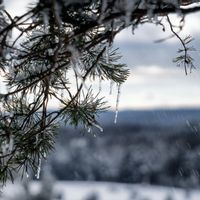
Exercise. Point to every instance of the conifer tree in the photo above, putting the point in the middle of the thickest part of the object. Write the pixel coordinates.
(61, 49)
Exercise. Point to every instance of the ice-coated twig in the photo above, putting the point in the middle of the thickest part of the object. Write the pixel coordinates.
(97, 126)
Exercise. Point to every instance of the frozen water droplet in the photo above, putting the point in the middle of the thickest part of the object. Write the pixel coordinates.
(27, 175)
(117, 102)
(50, 52)
(89, 130)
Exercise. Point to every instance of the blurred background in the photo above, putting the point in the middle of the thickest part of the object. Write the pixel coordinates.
(153, 152)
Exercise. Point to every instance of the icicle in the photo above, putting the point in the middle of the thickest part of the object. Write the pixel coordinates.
(111, 86)
(75, 60)
(117, 102)
(127, 18)
(100, 81)
(39, 168)
(62, 93)
(4, 147)
(11, 142)
(107, 54)
(76, 67)
(57, 14)
(133, 28)
(80, 63)
(45, 18)
(45, 155)
(128, 9)
(103, 8)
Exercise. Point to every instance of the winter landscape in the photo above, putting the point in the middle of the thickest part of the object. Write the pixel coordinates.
(63, 63)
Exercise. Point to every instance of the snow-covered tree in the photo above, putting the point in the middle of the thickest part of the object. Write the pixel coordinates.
(61, 49)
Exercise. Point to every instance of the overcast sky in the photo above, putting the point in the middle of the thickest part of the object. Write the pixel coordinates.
(155, 81)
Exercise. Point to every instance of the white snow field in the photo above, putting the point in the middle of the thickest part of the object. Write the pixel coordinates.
(67, 190)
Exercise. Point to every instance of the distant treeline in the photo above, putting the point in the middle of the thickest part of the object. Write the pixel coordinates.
(130, 153)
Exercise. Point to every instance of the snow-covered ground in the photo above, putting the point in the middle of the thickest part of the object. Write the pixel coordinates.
(106, 191)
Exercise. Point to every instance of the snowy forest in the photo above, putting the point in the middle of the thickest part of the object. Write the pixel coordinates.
(144, 149)
(62, 81)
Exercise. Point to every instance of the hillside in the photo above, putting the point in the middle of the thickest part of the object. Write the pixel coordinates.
(158, 147)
